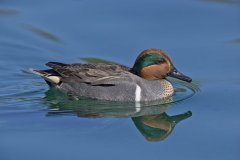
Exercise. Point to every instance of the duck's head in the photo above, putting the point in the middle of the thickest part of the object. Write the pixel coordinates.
(153, 64)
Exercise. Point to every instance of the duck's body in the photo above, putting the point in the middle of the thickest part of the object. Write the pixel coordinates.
(111, 81)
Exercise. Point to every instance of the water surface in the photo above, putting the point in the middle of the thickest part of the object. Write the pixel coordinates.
(202, 38)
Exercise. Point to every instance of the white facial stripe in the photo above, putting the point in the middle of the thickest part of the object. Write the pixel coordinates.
(138, 93)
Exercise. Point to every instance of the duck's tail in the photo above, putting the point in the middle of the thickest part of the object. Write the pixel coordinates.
(50, 76)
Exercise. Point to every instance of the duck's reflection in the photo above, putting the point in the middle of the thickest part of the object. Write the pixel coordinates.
(158, 127)
(152, 121)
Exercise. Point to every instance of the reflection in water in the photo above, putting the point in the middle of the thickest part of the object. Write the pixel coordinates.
(158, 127)
(235, 41)
(149, 118)
(8, 12)
(223, 1)
(43, 33)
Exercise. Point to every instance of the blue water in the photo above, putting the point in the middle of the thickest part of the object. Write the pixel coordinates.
(202, 38)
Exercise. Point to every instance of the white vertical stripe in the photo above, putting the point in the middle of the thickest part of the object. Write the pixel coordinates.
(138, 106)
(138, 93)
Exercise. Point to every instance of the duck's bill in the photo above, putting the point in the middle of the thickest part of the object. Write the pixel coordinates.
(176, 74)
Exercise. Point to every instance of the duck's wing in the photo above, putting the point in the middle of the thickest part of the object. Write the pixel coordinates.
(97, 60)
(93, 74)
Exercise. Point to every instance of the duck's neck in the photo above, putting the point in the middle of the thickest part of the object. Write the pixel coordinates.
(135, 70)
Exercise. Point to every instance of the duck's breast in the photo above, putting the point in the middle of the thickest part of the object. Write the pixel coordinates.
(155, 89)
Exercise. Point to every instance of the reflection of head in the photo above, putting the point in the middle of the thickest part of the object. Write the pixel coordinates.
(158, 127)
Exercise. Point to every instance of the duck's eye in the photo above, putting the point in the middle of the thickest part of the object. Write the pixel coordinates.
(159, 61)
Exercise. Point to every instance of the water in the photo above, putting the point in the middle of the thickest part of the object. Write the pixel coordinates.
(202, 38)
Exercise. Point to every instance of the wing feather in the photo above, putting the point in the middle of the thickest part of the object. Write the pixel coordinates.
(94, 74)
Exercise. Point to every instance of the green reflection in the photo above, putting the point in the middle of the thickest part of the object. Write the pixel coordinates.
(158, 127)
(42, 33)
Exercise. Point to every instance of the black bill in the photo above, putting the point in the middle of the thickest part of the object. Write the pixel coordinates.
(176, 74)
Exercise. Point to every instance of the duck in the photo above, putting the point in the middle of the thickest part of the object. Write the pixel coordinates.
(145, 81)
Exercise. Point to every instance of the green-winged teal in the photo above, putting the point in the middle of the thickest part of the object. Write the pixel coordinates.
(145, 81)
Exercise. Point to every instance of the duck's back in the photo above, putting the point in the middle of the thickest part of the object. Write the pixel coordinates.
(100, 81)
